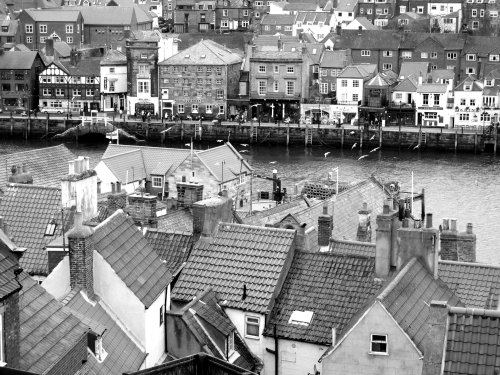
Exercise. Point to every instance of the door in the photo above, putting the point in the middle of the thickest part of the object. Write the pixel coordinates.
(409, 98)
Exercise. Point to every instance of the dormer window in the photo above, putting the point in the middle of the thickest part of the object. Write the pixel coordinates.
(95, 347)
(467, 87)
(489, 82)
(494, 57)
(471, 57)
(302, 318)
(378, 344)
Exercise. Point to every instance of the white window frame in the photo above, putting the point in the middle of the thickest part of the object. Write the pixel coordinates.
(387, 66)
(262, 68)
(387, 53)
(42, 29)
(180, 108)
(494, 57)
(195, 108)
(451, 56)
(69, 29)
(261, 87)
(155, 184)
(254, 321)
(374, 341)
(29, 39)
(221, 110)
(69, 39)
(28, 28)
(365, 53)
(290, 69)
(290, 87)
(276, 86)
(471, 57)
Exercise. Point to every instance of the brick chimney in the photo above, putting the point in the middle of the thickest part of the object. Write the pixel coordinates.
(434, 342)
(117, 199)
(325, 226)
(418, 242)
(49, 47)
(208, 213)
(459, 246)
(142, 208)
(12, 328)
(467, 245)
(386, 244)
(448, 241)
(20, 175)
(364, 227)
(81, 255)
(79, 188)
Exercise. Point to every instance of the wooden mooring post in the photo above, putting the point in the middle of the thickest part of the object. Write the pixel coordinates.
(342, 137)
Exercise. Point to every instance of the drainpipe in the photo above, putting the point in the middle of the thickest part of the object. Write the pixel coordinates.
(276, 352)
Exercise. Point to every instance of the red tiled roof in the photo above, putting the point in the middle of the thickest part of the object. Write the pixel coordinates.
(238, 256)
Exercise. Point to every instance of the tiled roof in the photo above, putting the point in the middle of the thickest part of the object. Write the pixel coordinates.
(475, 85)
(8, 265)
(17, 60)
(276, 55)
(334, 59)
(114, 57)
(368, 39)
(364, 22)
(277, 19)
(123, 353)
(409, 84)
(123, 246)
(346, 5)
(313, 17)
(205, 52)
(171, 246)
(482, 45)
(47, 165)
(364, 71)
(176, 220)
(333, 286)
(432, 88)
(103, 15)
(472, 345)
(408, 295)
(275, 214)
(27, 209)
(238, 256)
(439, 74)
(446, 41)
(48, 329)
(477, 285)
(234, 163)
(53, 15)
(382, 79)
(126, 167)
(416, 69)
(343, 247)
(304, 6)
(84, 67)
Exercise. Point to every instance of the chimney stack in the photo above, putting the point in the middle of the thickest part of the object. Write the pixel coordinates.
(12, 329)
(81, 255)
(49, 47)
(386, 245)
(418, 242)
(364, 227)
(435, 338)
(325, 226)
(142, 208)
(458, 246)
(208, 213)
(20, 175)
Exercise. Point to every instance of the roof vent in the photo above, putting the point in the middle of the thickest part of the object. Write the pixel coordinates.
(302, 318)
(186, 57)
(203, 56)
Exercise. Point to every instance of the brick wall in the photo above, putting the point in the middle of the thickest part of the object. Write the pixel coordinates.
(142, 208)
(12, 330)
(448, 245)
(81, 255)
(73, 360)
(117, 201)
(325, 227)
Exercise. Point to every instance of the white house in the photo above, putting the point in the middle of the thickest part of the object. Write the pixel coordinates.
(318, 24)
(431, 102)
(468, 103)
(346, 11)
(114, 81)
(350, 82)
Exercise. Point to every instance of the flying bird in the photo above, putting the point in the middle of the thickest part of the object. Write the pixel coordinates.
(362, 157)
(354, 145)
(220, 140)
(166, 130)
(327, 153)
(272, 162)
(373, 137)
(242, 151)
(352, 132)
(375, 149)
(187, 144)
(417, 146)
(244, 144)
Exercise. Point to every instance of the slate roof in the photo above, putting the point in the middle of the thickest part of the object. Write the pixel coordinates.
(408, 295)
(367, 39)
(439, 74)
(472, 345)
(8, 265)
(481, 45)
(476, 85)
(477, 285)
(447, 41)
(409, 84)
(205, 52)
(334, 59)
(415, 69)
(176, 220)
(128, 166)
(125, 249)
(84, 67)
(364, 22)
(47, 165)
(114, 57)
(171, 246)
(234, 163)
(334, 287)
(48, 329)
(17, 60)
(382, 79)
(238, 255)
(275, 214)
(313, 17)
(432, 88)
(53, 15)
(303, 6)
(278, 19)
(344, 247)
(116, 16)
(27, 209)
(123, 353)
(363, 71)
(346, 5)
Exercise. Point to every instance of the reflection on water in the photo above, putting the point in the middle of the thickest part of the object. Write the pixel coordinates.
(456, 186)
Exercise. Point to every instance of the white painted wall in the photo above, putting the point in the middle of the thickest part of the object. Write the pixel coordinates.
(57, 283)
(124, 304)
(120, 75)
(155, 333)
(107, 177)
(345, 94)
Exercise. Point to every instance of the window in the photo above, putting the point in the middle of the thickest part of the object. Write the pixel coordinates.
(288, 28)
(425, 99)
(29, 39)
(245, 23)
(451, 55)
(355, 83)
(489, 82)
(489, 101)
(406, 55)
(144, 56)
(471, 57)
(43, 29)
(252, 326)
(77, 92)
(434, 55)
(324, 72)
(365, 53)
(493, 13)
(290, 69)
(420, 10)
(143, 69)
(323, 89)
(467, 87)
(69, 29)
(475, 25)
(387, 53)
(485, 117)
(276, 86)
(402, 9)
(481, 13)
(262, 87)
(194, 108)
(45, 92)
(378, 344)
(43, 39)
(59, 92)
(209, 108)
(276, 69)
(266, 27)
(218, 70)
(470, 70)
(462, 101)
(343, 83)
(245, 13)
(474, 12)
(220, 94)
(290, 87)
(143, 87)
(355, 97)
(464, 117)
(157, 182)
(221, 109)
(111, 86)
(436, 99)
(387, 67)
(224, 12)
(257, 14)
(28, 29)
(262, 68)
(89, 92)
(494, 58)
(472, 102)
(180, 108)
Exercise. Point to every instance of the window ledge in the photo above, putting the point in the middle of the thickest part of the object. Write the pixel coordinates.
(252, 337)
(378, 353)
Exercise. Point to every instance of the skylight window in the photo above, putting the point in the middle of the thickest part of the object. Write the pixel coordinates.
(302, 318)
(186, 57)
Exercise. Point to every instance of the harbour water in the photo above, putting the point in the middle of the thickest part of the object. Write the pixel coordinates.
(464, 187)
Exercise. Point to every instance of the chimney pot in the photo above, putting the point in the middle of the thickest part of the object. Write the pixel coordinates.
(325, 207)
(453, 225)
(385, 209)
(71, 164)
(86, 163)
(13, 169)
(25, 168)
(469, 228)
(113, 190)
(118, 186)
(406, 223)
(417, 224)
(428, 221)
(446, 224)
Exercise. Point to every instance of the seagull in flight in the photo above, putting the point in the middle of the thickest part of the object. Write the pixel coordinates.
(187, 144)
(166, 130)
(362, 157)
(354, 145)
(352, 132)
(220, 140)
(272, 162)
(327, 153)
(375, 149)
(373, 137)
(417, 146)
(244, 144)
